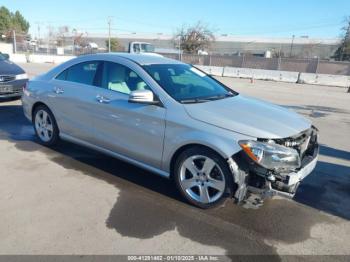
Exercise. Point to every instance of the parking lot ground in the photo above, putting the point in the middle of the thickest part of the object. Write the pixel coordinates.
(71, 200)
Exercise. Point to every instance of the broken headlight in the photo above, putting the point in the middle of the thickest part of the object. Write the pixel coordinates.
(271, 155)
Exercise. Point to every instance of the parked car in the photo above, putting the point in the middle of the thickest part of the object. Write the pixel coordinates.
(174, 120)
(12, 78)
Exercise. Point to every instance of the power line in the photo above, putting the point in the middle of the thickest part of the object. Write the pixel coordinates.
(94, 19)
(143, 23)
(278, 29)
(295, 29)
(284, 26)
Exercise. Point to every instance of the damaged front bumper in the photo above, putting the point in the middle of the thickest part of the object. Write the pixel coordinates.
(286, 188)
(258, 183)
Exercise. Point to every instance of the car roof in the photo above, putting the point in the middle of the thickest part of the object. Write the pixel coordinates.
(142, 59)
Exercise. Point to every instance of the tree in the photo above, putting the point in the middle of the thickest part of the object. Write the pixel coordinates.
(5, 20)
(343, 51)
(10, 22)
(310, 50)
(278, 53)
(19, 23)
(194, 38)
(115, 45)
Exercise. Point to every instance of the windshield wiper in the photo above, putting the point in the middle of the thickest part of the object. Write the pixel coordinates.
(218, 97)
(194, 100)
(206, 99)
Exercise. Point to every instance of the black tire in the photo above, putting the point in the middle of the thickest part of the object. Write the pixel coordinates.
(55, 131)
(219, 161)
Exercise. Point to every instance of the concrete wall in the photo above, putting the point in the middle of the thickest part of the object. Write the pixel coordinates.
(323, 79)
(18, 58)
(273, 75)
(53, 59)
(212, 70)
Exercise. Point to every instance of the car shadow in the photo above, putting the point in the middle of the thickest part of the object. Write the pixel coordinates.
(314, 111)
(327, 189)
(149, 205)
(336, 153)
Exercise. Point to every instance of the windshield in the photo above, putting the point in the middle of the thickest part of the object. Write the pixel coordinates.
(187, 84)
(147, 48)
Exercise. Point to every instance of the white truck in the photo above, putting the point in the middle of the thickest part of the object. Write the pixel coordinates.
(142, 48)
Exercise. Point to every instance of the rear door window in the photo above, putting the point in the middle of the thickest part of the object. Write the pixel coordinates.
(84, 73)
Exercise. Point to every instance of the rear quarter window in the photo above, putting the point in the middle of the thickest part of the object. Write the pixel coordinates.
(83, 73)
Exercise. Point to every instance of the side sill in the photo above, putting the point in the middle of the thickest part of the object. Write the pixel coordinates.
(116, 155)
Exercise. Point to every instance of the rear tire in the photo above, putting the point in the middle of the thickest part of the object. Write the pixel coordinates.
(45, 126)
(203, 177)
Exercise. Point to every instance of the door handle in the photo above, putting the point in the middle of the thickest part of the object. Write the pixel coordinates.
(58, 90)
(102, 99)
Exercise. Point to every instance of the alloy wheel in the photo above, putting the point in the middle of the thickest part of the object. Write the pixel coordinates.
(202, 179)
(44, 125)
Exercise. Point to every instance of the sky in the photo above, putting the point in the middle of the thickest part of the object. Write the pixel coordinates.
(265, 18)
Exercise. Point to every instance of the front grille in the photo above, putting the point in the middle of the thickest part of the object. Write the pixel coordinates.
(10, 89)
(7, 78)
(304, 142)
(17, 89)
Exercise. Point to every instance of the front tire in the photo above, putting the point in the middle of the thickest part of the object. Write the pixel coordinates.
(45, 126)
(203, 177)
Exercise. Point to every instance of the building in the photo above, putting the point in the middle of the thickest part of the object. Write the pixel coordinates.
(300, 47)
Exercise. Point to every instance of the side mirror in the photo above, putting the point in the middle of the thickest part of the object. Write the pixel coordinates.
(142, 97)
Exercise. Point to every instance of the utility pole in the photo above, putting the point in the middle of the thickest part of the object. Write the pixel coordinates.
(36, 48)
(38, 28)
(291, 46)
(109, 33)
(179, 47)
(14, 42)
(280, 50)
(48, 40)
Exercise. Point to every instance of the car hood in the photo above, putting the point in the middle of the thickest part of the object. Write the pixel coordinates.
(9, 68)
(249, 116)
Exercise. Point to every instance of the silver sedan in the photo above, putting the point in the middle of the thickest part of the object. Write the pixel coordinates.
(174, 120)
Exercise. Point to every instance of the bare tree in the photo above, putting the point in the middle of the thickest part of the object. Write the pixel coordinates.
(194, 38)
(62, 35)
(78, 38)
(309, 50)
(278, 53)
(343, 51)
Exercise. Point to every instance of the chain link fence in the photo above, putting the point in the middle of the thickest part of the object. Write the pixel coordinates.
(243, 61)
(284, 64)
